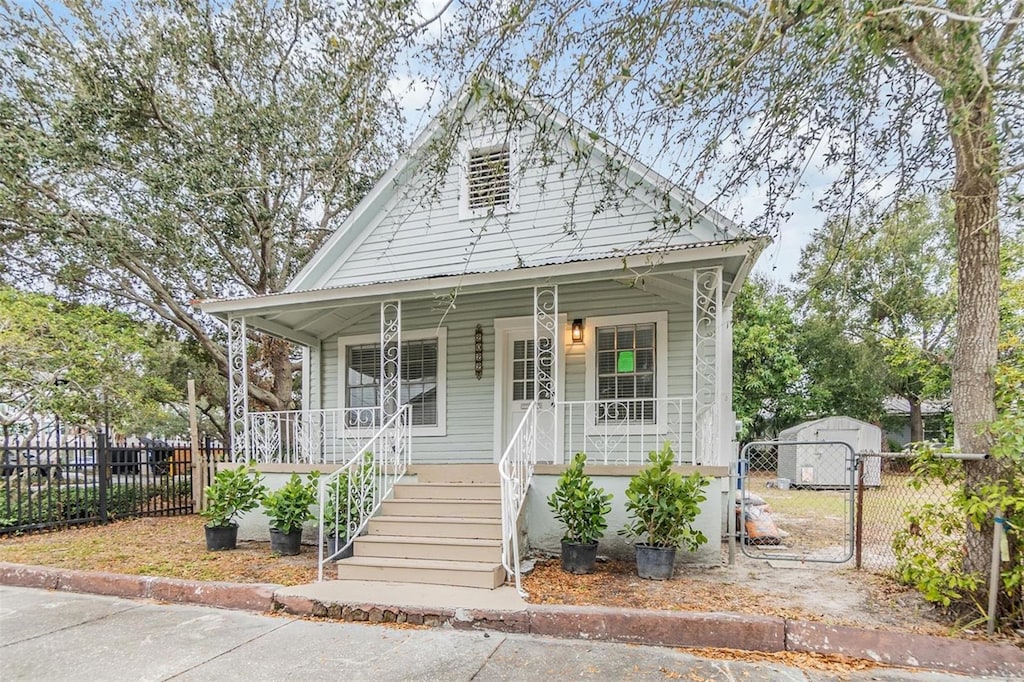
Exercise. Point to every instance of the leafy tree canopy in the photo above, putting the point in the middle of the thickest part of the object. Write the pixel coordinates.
(82, 362)
(156, 152)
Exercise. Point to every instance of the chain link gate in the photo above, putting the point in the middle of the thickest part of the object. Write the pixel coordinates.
(795, 500)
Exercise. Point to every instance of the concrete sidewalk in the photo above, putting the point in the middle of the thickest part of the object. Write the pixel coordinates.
(59, 636)
(503, 611)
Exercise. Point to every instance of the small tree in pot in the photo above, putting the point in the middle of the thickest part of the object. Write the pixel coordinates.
(288, 508)
(232, 492)
(582, 508)
(662, 505)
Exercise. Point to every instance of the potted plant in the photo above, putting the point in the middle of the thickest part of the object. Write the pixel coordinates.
(230, 493)
(582, 509)
(288, 508)
(662, 505)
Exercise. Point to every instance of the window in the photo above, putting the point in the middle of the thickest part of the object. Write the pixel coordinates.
(626, 372)
(421, 384)
(488, 178)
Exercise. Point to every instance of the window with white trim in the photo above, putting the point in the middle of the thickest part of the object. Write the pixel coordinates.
(421, 382)
(489, 178)
(627, 370)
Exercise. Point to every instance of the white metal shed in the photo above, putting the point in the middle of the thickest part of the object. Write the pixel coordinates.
(813, 466)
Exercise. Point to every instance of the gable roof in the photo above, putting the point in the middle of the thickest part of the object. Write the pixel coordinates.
(393, 236)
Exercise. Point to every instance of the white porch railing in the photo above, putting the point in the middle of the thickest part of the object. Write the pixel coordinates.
(515, 469)
(624, 431)
(350, 496)
(310, 436)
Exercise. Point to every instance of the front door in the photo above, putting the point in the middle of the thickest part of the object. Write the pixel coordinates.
(519, 385)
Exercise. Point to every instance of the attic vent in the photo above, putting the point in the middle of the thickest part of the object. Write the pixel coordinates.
(488, 183)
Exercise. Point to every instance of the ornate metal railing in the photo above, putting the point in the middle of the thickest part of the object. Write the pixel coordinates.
(310, 436)
(350, 496)
(515, 469)
(624, 431)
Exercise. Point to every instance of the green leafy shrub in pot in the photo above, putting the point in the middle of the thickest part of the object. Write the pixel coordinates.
(232, 492)
(291, 505)
(662, 504)
(580, 506)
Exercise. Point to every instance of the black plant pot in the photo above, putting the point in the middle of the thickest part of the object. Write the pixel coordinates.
(285, 544)
(332, 547)
(655, 563)
(577, 558)
(221, 537)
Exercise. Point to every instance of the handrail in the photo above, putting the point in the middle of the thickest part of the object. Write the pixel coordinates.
(515, 469)
(325, 436)
(354, 493)
(624, 430)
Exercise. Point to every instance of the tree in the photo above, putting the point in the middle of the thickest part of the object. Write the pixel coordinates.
(768, 380)
(81, 362)
(888, 283)
(892, 97)
(156, 152)
(843, 375)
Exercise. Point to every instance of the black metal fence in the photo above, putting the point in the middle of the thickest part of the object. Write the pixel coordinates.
(90, 480)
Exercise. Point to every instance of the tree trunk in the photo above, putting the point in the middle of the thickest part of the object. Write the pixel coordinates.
(975, 195)
(916, 421)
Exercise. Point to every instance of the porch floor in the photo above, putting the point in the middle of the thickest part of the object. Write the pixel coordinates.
(381, 593)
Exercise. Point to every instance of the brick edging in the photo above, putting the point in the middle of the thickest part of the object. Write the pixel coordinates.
(242, 596)
(634, 626)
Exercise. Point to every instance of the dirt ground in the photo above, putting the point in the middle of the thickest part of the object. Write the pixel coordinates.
(174, 547)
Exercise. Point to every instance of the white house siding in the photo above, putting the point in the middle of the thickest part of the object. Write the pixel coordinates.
(470, 412)
(567, 211)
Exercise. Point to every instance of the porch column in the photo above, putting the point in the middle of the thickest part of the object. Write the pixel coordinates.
(238, 388)
(390, 359)
(546, 339)
(707, 361)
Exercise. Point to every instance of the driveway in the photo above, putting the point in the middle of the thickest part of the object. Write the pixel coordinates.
(49, 635)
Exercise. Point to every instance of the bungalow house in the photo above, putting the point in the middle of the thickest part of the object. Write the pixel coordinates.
(513, 290)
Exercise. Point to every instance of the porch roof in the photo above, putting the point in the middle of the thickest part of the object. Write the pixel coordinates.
(299, 315)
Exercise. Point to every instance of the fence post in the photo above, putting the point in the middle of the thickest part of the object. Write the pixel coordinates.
(197, 467)
(993, 578)
(103, 460)
(859, 533)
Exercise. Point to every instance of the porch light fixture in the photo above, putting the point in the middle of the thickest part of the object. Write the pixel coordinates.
(577, 330)
(478, 352)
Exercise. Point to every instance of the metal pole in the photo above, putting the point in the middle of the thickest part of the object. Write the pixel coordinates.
(103, 455)
(198, 469)
(731, 504)
(859, 534)
(993, 578)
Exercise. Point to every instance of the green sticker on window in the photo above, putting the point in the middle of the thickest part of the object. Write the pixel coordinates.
(625, 361)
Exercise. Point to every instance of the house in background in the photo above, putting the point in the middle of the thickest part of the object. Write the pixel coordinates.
(513, 290)
(936, 420)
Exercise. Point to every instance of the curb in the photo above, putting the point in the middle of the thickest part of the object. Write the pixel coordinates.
(686, 629)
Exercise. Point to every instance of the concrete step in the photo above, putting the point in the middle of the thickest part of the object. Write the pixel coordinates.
(476, 509)
(448, 491)
(460, 573)
(438, 549)
(455, 473)
(435, 527)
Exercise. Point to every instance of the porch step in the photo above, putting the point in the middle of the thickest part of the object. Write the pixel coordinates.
(455, 473)
(436, 527)
(487, 575)
(448, 491)
(477, 509)
(438, 549)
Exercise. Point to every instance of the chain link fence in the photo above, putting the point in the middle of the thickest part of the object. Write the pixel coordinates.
(796, 501)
